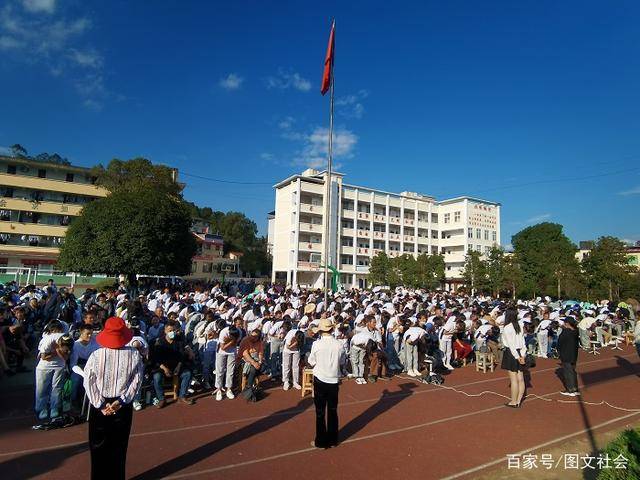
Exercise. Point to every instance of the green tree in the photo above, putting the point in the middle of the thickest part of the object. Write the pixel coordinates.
(495, 269)
(407, 268)
(138, 174)
(256, 260)
(546, 257)
(130, 232)
(475, 272)
(380, 269)
(606, 267)
(430, 271)
(512, 276)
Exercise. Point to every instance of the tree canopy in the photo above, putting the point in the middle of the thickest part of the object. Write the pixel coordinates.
(131, 232)
(606, 267)
(142, 227)
(425, 271)
(138, 174)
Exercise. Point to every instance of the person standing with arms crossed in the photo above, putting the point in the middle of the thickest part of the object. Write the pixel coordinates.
(326, 357)
(112, 377)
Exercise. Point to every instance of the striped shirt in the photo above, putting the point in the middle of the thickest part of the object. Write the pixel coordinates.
(113, 373)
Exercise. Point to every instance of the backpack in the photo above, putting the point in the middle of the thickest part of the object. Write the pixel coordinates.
(252, 394)
(434, 378)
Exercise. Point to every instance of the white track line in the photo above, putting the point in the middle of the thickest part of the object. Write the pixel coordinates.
(537, 447)
(250, 419)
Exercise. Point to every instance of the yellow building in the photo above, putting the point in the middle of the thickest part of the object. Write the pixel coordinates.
(37, 202)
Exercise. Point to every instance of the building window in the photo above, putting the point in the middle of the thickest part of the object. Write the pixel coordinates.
(434, 218)
(486, 234)
(346, 260)
(469, 248)
(7, 192)
(478, 248)
(447, 217)
(207, 267)
(487, 249)
(69, 177)
(194, 267)
(470, 233)
(493, 236)
(42, 173)
(456, 217)
(478, 233)
(11, 169)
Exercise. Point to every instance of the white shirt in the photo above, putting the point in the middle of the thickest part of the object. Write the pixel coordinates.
(514, 341)
(326, 357)
(287, 339)
(543, 326)
(414, 334)
(224, 338)
(361, 338)
(82, 352)
(48, 345)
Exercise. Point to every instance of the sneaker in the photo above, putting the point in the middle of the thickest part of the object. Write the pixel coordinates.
(286, 386)
(449, 367)
(185, 401)
(360, 381)
(297, 386)
(137, 406)
(350, 375)
(155, 401)
(43, 415)
(567, 394)
(372, 379)
(161, 403)
(230, 394)
(576, 393)
(219, 395)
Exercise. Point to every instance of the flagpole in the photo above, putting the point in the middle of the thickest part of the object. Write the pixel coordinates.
(327, 229)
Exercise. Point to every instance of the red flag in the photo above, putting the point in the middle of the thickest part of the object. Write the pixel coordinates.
(328, 62)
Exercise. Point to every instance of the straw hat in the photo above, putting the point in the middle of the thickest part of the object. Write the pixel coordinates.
(325, 325)
(309, 308)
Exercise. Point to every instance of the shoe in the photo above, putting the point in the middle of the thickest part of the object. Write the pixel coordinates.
(449, 367)
(286, 386)
(372, 379)
(575, 394)
(186, 401)
(43, 415)
(137, 406)
(155, 402)
(297, 386)
(350, 375)
(567, 394)
(161, 403)
(512, 406)
(230, 394)
(360, 381)
(219, 395)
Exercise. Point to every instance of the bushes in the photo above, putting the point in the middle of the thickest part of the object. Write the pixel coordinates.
(626, 444)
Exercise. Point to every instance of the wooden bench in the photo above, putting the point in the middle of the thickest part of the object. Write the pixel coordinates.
(484, 361)
(307, 382)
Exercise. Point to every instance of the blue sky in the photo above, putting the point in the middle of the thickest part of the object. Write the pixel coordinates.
(532, 104)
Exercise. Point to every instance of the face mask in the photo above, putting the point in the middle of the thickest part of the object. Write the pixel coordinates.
(171, 335)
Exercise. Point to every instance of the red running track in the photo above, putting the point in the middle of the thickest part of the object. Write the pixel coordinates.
(393, 429)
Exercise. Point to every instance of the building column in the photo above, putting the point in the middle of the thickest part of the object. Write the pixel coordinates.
(401, 225)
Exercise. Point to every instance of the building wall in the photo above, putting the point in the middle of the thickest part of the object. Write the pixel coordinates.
(37, 202)
(366, 221)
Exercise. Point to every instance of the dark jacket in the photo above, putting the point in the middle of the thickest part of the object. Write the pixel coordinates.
(568, 343)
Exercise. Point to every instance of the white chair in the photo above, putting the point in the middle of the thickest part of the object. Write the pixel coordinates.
(616, 343)
(595, 346)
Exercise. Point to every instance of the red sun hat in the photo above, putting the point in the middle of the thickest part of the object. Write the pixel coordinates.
(115, 334)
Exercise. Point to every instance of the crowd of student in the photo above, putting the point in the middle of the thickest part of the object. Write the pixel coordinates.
(208, 337)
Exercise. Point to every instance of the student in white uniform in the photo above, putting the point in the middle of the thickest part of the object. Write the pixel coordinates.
(411, 338)
(445, 336)
(290, 357)
(226, 361)
(542, 332)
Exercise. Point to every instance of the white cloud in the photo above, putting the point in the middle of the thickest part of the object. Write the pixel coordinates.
(267, 156)
(286, 79)
(315, 147)
(231, 82)
(56, 42)
(633, 191)
(87, 58)
(351, 106)
(538, 218)
(39, 6)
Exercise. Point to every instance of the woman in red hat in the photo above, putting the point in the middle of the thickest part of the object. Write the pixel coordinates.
(112, 377)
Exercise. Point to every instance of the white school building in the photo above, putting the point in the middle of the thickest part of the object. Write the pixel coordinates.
(364, 221)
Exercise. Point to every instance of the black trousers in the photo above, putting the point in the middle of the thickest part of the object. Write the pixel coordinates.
(108, 442)
(570, 376)
(325, 398)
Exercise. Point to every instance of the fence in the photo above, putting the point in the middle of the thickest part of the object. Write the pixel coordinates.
(28, 276)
